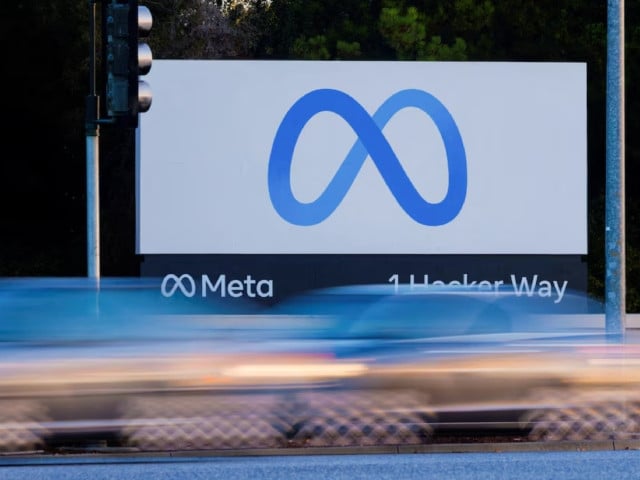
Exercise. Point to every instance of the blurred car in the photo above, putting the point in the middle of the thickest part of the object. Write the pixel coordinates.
(460, 361)
(119, 364)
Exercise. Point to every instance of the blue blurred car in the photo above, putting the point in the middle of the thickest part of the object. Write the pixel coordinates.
(457, 361)
(381, 318)
(84, 363)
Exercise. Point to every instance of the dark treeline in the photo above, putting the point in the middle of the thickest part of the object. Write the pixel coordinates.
(42, 178)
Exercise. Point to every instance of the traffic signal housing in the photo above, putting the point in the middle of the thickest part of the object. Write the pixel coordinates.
(126, 59)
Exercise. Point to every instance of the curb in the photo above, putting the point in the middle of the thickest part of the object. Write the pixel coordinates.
(500, 447)
(560, 446)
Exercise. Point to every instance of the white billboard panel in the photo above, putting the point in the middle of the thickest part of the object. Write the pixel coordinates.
(299, 157)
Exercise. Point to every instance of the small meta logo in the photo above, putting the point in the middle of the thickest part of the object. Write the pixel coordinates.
(371, 142)
(172, 283)
(221, 286)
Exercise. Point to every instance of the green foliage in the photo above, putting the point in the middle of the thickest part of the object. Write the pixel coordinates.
(346, 26)
(436, 50)
(314, 48)
(405, 32)
(347, 50)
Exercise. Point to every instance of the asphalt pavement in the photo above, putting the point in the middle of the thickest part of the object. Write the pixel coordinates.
(502, 465)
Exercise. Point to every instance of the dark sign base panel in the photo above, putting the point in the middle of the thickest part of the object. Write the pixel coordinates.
(294, 274)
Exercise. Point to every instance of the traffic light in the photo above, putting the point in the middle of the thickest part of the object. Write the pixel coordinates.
(125, 59)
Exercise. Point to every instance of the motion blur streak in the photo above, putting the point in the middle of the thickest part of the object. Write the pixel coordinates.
(350, 366)
(615, 361)
(296, 370)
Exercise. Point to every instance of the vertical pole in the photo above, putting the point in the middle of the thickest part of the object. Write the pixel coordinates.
(615, 260)
(93, 207)
(93, 133)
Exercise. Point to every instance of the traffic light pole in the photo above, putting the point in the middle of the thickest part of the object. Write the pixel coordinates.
(124, 59)
(93, 205)
(92, 128)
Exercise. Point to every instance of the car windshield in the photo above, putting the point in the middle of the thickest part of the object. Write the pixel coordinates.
(376, 311)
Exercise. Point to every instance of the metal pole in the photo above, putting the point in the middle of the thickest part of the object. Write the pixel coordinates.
(93, 182)
(615, 260)
(93, 207)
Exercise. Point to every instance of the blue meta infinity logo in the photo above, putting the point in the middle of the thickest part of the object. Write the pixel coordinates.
(371, 142)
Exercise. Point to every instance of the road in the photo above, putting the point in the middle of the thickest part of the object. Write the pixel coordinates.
(565, 465)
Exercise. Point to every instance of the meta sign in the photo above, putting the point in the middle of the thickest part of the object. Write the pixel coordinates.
(301, 157)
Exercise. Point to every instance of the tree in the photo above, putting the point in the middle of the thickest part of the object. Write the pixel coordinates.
(203, 29)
